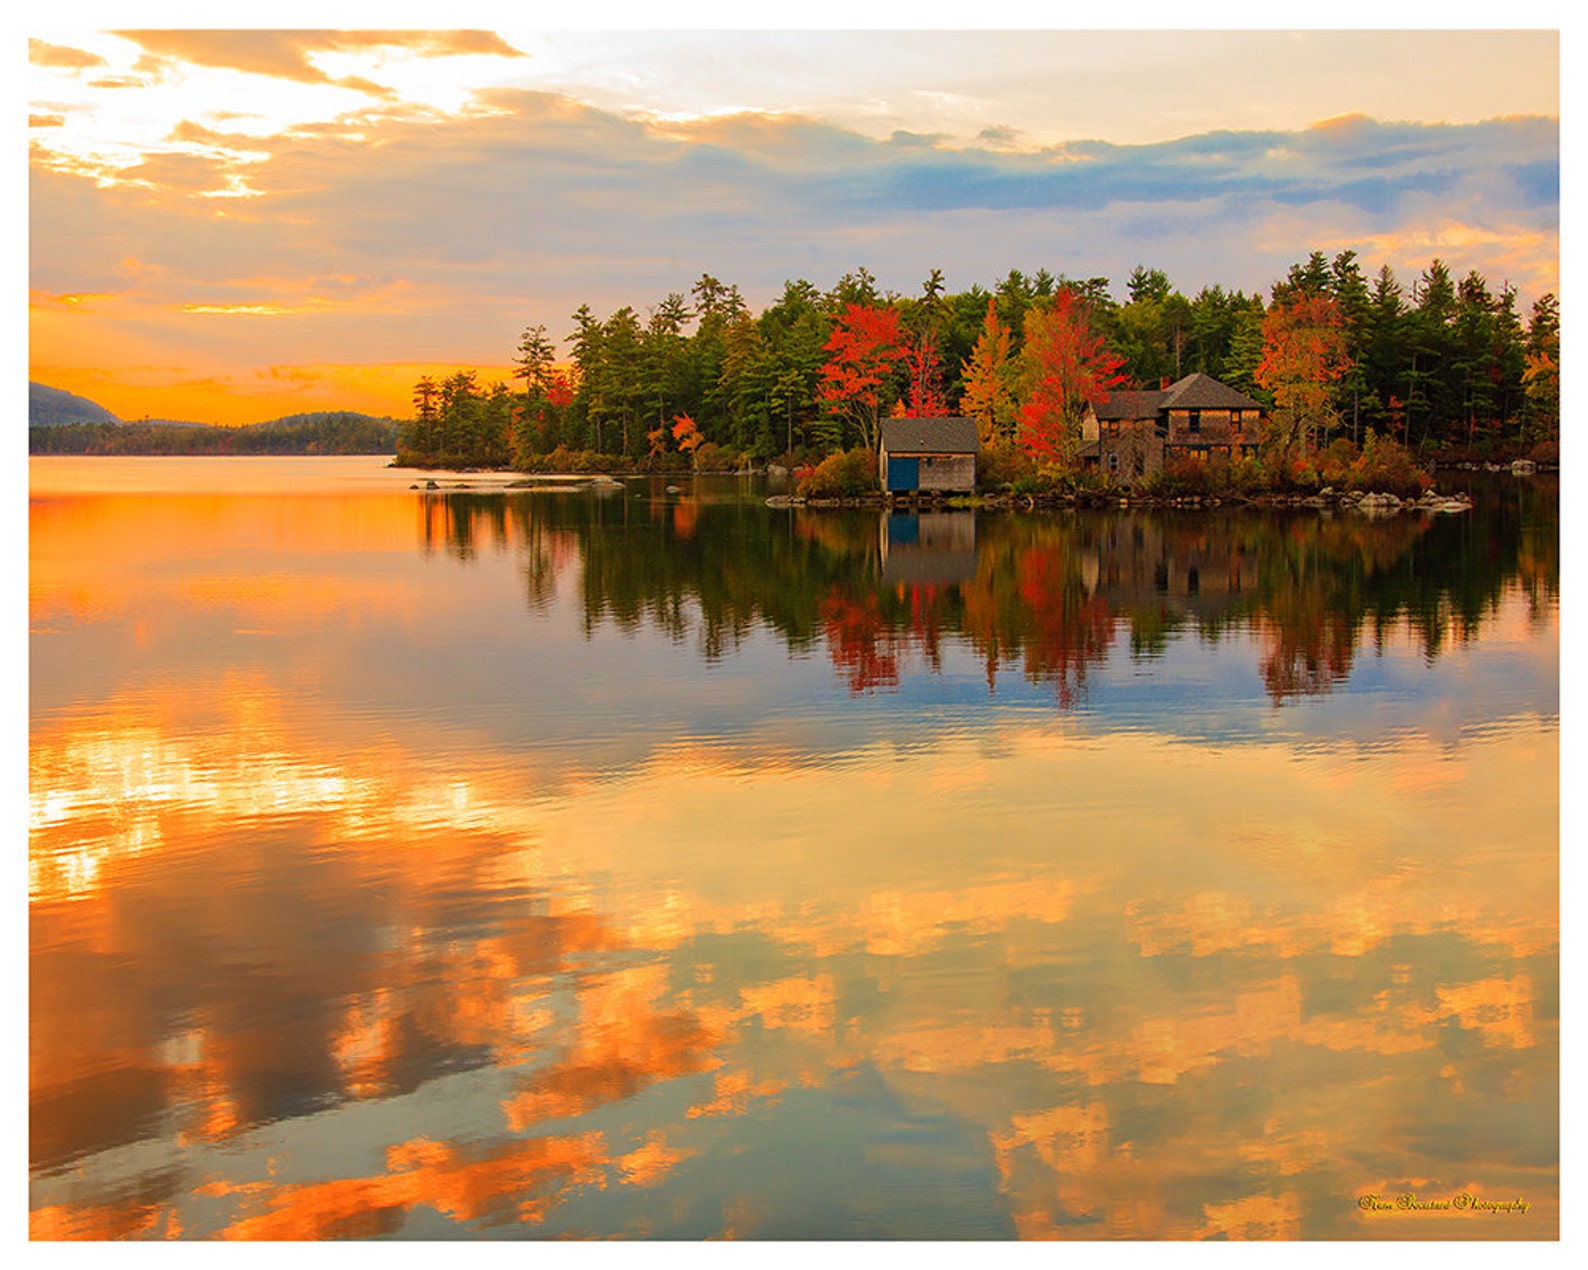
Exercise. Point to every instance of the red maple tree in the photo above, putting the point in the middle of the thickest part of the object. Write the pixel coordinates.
(863, 351)
(1068, 366)
(924, 397)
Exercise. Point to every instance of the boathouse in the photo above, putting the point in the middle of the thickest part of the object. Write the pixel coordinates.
(928, 454)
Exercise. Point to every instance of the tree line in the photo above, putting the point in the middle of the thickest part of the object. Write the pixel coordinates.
(702, 380)
(317, 432)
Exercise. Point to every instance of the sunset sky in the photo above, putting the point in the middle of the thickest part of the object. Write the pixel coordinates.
(230, 226)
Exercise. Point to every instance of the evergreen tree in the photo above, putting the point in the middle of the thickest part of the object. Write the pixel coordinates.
(1541, 376)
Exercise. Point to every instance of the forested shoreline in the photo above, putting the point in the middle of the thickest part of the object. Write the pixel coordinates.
(321, 432)
(1339, 359)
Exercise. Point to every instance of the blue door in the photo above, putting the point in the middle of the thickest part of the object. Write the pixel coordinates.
(903, 473)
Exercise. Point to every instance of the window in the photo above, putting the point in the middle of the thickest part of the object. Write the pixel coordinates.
(1193, 421)
(1113, 461)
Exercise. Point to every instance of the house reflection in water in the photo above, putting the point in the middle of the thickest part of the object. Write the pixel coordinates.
(928, 548)
(1199, 568)
(1202, 568)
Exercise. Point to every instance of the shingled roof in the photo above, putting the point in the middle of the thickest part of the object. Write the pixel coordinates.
(1202, 392)
(1195, 392)
(1130, 405)
(929, 436)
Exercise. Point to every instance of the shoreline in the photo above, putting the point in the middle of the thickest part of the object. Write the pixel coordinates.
(1363, 502)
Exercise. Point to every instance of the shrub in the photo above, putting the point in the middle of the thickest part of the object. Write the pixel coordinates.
(1246, 475)
(710, 457)
(1184, 477)
(1053, 478)
(1293, 475)
(1303, 474)
(1004, 465)
(846, 474)
(1386, 466)
(562, 459)
(1335, 463)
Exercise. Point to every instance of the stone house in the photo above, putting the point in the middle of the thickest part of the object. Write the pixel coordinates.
(928, 454)
(1134, 433)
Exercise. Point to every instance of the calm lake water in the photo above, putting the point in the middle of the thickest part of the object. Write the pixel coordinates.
(550, 864)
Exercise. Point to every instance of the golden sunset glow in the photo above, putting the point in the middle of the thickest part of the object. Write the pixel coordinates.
(630, 1036)
(233, 225)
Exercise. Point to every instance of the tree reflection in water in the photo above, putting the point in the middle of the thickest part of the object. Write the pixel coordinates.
(1045, 595)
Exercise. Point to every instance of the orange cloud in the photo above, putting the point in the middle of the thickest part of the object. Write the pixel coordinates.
(61, 56)
(289, 54)
(521, 1182)
(1253, 1217)
(650, 1163)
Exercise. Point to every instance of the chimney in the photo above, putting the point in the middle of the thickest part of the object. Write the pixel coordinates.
(1163, 382)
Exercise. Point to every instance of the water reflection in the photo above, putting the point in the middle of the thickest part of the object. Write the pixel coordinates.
(1041, 594)
(302, 967)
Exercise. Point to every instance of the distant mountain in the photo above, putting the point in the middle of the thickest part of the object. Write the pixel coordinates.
(51, 407)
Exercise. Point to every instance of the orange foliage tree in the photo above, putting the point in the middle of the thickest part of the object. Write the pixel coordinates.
(686, 434)
(1304, 353)
(1066, 366)
(863, 352)
(987, 397)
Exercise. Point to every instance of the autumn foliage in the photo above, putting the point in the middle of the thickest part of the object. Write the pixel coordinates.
(924, 397)
(685, 433)
(1067, 366)
(863, 351)
(847, 474)
(1304, 353)
(1447, 362)
(988, 397)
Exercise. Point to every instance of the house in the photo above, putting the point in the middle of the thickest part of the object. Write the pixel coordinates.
(928, 454)
(1133, 434)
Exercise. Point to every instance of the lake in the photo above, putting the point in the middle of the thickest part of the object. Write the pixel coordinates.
(557, 863)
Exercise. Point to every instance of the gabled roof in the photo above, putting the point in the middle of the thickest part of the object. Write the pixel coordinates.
(1195, 392)
(929, 436)
(1129, 404)
(1202, 392)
